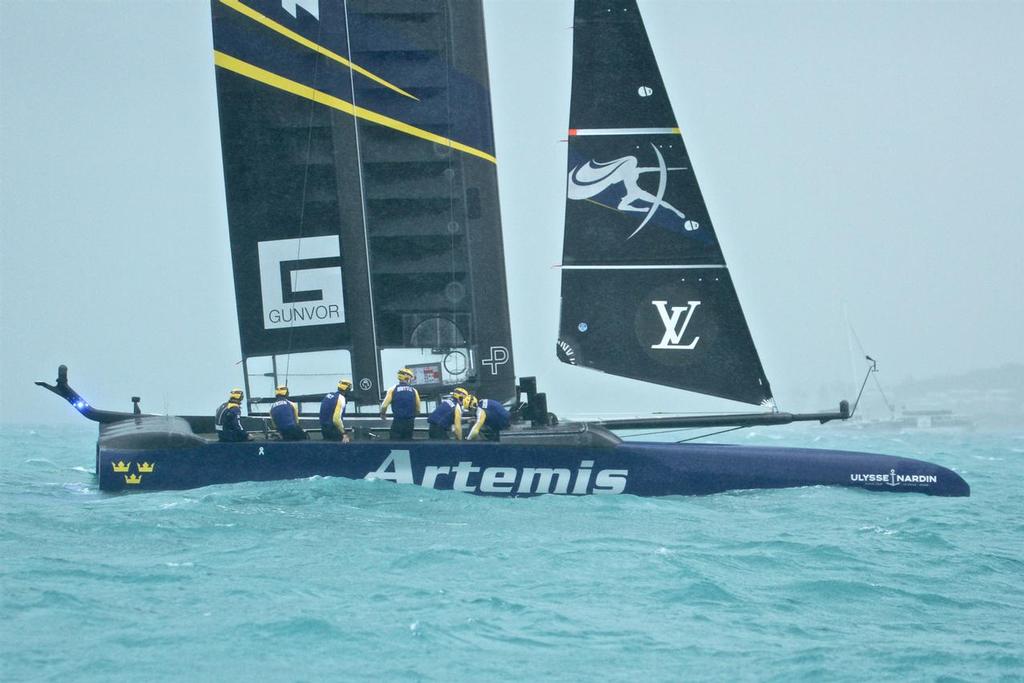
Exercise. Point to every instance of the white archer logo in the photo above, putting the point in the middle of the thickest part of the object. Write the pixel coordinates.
(674, 332)
(594, 177)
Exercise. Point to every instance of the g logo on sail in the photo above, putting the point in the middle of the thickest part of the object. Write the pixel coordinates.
(300, 281)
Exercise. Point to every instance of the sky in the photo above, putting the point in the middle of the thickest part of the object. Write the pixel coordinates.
(861, 162)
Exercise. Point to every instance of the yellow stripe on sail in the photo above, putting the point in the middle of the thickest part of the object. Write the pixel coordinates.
(292, 35)
(281, 83)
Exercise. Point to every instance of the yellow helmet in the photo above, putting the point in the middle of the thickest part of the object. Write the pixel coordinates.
(405, 375)
(344, 385)
(469, 402)
(236, 395)
(459, 393)
(281, 391)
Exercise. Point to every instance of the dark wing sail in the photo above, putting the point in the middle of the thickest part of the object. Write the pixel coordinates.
(361, 185)
(645, 289)
(432, 213)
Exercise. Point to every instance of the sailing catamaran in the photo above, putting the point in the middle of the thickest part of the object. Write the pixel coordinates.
(365, 230)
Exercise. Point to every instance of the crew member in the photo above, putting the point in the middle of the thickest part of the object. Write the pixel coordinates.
(491, 418)
(285, 415)
(447, 413)
(405, 405)
(332, 409)
(229, 419)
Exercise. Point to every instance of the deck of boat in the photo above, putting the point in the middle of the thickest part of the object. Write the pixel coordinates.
(166, 431)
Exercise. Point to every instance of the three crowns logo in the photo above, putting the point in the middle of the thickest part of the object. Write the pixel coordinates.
(134, 479)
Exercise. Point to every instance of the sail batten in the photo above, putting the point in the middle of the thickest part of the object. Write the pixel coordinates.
(612, 266)
(646, 292)
(671, 130)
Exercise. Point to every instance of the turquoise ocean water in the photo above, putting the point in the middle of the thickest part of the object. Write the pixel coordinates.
(338, 579)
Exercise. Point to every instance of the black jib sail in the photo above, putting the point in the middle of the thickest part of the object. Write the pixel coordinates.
(645, 289)
(361, 187)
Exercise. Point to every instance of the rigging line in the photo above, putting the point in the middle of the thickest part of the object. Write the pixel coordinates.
(878, 383)
(451, 169)
(661, 431)
(306, 374)
(608, 415)
(888, 404)
(302, 205)
(704, 436)
(856, 337)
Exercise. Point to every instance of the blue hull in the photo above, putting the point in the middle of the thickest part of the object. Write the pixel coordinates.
(641, 469)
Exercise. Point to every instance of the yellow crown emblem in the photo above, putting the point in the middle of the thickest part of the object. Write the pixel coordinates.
(132, 479)
(121, 466)
(146, 466)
